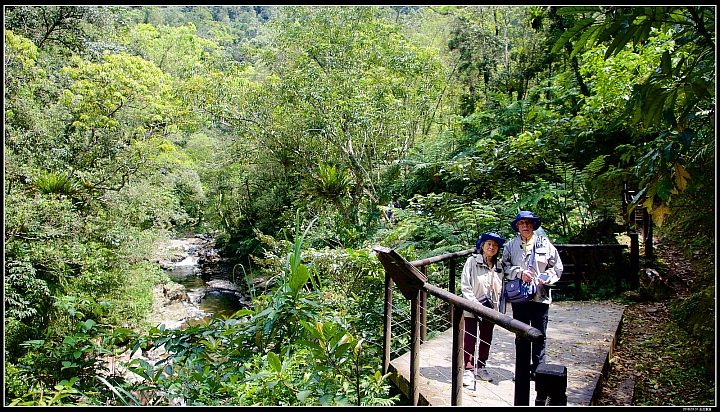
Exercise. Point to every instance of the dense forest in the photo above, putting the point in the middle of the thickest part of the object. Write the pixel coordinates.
(286, 131)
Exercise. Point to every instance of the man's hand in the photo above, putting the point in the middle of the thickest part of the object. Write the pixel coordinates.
(527, 276)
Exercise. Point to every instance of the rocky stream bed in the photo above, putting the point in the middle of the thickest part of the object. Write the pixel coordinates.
(193, 260)
(174, 304)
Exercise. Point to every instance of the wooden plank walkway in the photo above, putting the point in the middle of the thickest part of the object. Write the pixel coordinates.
(581, 336)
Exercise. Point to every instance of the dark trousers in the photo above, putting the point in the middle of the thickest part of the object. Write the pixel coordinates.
(486, 334)
(534, 314)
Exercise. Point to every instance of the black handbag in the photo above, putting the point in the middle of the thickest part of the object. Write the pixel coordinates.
(487, 301)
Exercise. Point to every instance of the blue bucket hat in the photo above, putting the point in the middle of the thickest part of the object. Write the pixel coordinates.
(525, 214)
(490, 236)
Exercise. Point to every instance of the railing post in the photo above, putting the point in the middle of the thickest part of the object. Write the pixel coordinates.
(451, 287)
(625, 202)
(634, 260)
(579, 269)
(415, 348)
(648, 237)
(423, 310)
(387, 336)
(618, 272)
(458, 326)
(522, 371)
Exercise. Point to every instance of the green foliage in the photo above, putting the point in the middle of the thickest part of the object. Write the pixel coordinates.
(500, 56)
(670, 104)
(67, 28)
(68, 368)
(696, 315)
(207, 117)
(64, 391)
(262, 357)
(51, 183)
(334, 97)
(297, 273)
(216, 364)
(331, 183)
(86, 174)
(568, 205)
(279, 312)
(337, 353)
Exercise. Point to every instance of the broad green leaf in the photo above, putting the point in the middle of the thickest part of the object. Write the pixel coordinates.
(299, 278)
(665, 63)
(87, 325)
(314, 346)
(302, 395)
(274, 362)
(664, 188)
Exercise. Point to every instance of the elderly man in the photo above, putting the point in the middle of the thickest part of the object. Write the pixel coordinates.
(534, 259)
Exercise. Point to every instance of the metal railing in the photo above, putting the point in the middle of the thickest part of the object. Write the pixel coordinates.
(411, 278)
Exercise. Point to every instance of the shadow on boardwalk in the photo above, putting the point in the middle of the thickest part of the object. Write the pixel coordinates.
(581, 337)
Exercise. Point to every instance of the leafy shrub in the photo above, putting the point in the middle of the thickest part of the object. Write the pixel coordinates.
(696, 315)
(294, 347)
(71, 368)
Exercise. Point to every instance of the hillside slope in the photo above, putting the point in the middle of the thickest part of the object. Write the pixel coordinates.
(655, 361)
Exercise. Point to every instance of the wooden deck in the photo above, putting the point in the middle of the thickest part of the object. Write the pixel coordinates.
(581, 336)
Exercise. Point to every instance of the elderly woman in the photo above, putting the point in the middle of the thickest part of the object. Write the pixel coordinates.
(533, 258)
(481, 281)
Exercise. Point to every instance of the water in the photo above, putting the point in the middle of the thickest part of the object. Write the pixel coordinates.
(218, 304)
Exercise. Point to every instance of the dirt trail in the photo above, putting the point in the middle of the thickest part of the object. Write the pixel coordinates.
(641, 322)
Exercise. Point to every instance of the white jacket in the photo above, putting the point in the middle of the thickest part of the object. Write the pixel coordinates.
(515, 260)
(477, 279)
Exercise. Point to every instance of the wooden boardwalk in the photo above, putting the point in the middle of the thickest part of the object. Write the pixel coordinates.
(581, 336)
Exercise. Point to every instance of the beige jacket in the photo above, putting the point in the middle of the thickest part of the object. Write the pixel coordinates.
(547, 260)
(478, 280)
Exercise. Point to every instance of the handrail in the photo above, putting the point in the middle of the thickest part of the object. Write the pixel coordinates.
(440, 258)
(412, 280)
(513, 325)
(413, 284)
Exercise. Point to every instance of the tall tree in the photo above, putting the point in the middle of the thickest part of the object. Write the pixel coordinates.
(342, 90)
(674, 107)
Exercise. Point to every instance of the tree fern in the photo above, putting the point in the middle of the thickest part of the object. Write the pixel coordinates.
(474, 218)
(569, 202)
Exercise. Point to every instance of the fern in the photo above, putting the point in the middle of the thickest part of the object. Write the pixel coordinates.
(52, 183)
(569, 201)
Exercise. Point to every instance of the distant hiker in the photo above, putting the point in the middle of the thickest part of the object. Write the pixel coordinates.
(391, 215)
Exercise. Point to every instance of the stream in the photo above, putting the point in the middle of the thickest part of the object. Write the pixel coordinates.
(199, 269)
(214, 303)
